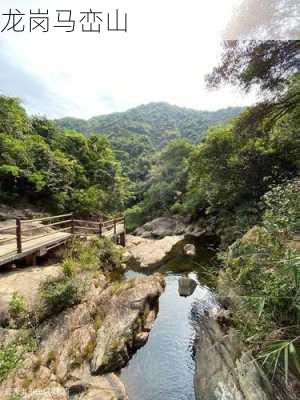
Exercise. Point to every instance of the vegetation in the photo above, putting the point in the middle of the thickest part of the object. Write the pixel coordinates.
(12, 354)
(17, 306)
(265, 267)
(225, 175)
(166, 185)
(60, 293)
(59, 170)
(158, 123)
(101, 169)
(82, 258)
(257, 160)
(138, 135)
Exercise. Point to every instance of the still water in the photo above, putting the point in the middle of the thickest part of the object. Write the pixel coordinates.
(164, 368)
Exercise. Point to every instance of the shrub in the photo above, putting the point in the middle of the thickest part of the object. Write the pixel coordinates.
(17, 306)
(15, 396)
(135, 216)
(68, 266)
(283, 207)
(109, 253)
(11, 355)
(60, 293)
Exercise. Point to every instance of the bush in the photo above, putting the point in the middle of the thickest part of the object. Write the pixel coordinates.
(109, 253)
(11, 355)
(17, 306)
(135, 216)
(283, 207)
(92, 255)
(60, 293)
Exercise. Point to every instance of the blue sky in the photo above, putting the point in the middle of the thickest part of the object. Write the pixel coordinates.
(164, 56)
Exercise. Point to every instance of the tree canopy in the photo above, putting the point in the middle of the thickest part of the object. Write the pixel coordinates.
(59, 170)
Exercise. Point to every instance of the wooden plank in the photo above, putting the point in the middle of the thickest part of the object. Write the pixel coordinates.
(24, 221)
(8, 227)
(8, 253)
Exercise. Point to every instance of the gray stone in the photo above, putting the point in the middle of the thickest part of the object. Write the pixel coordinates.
(223, 371)
(189, 250)
(120, 332)
(186, 286)
(167, 226)
(150, 252)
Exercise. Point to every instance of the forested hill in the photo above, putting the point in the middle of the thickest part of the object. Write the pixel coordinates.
(159, 122)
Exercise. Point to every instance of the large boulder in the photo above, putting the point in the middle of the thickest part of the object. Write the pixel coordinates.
(167, 226)
(126, 327)
(161, 227)
(223, 370)
(150, 252)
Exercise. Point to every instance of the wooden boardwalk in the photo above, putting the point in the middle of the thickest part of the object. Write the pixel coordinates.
(16, 244)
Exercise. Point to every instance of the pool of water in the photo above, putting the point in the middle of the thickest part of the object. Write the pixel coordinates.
(164, 368)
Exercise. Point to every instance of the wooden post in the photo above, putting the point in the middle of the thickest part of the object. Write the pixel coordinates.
(100, 229)
(72, 224)
(115, 238)
(19, 235)
(124, 233)
(122, 239)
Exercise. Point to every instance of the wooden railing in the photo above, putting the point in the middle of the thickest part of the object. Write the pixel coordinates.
(58, 223)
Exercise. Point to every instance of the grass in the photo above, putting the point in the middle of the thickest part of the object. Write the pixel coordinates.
(17, 306)
(11, 355)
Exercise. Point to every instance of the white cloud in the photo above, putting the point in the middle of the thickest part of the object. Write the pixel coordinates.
(169, 47)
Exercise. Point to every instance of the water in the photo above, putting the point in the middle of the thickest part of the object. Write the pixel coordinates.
(164, 368)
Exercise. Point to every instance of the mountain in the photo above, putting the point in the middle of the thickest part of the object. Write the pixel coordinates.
(159, 122)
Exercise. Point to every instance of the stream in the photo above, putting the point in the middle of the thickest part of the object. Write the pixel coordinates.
(164, 368)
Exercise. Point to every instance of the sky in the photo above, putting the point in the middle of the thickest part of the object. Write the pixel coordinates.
(169, 47)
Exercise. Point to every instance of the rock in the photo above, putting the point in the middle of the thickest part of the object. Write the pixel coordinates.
(25, 282)
(100, 334)
(189, 250)
(161, 227)
(7, 336)
(195, 231)
(186, 286)
(4, 315)
(141, 339)
(126, 256)
(150, 319)
(166, 226)
(150, 252)
(88, 387)
(117, 336)
(223, 371)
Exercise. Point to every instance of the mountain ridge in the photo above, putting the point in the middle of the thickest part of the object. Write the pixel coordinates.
(153, 119)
